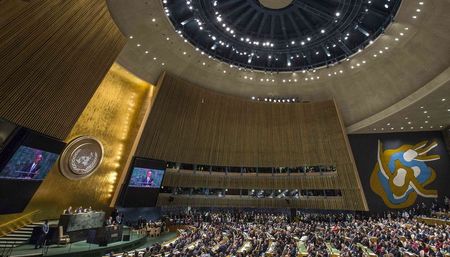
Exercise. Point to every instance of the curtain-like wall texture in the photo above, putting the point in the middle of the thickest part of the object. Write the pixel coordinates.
(53, 55)
(190, 124)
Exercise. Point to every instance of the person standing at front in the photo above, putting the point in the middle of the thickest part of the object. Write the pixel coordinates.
(42, 235)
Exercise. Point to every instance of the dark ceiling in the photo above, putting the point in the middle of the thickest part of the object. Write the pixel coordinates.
(304, 35)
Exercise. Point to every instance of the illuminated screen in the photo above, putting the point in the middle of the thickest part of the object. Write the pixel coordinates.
(29, 164)
(145, 177)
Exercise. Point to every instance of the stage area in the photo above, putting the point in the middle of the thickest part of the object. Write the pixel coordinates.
(83, 249)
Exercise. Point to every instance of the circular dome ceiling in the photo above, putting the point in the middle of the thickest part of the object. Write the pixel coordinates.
(288, 36)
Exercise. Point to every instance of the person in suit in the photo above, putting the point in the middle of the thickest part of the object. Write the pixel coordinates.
(31, 170)
(42, 235)
(147, 180)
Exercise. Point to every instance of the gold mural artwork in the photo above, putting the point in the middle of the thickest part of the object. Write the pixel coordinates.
(401, 174)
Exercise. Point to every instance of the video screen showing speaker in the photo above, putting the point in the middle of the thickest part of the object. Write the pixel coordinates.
(29, 163)
(25, 161)
(144, 182)
(145, 177)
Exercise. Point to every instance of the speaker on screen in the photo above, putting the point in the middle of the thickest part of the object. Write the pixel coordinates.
(144, 181)
(26, 157)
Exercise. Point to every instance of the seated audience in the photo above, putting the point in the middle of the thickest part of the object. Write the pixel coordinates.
(254, 234)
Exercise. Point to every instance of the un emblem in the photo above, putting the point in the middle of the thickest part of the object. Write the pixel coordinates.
(81, 157)
(401, 174)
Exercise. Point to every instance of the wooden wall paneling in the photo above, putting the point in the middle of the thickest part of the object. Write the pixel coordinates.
(187, 178)
(53, 56)
(190, 124)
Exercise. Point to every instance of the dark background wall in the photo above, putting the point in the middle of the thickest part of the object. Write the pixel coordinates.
(365, 148)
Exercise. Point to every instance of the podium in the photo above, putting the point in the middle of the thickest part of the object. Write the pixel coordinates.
(77, 225)
(105, 235)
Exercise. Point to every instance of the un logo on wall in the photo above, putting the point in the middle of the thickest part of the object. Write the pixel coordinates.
(401, 174)
(81, 158)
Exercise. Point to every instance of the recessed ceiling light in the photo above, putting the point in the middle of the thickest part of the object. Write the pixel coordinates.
(251, 41)
(443, 99)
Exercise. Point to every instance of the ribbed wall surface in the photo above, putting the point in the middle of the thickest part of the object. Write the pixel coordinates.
(189, 124)
(53, 55)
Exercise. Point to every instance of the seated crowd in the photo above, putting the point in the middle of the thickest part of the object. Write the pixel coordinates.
(255, 234)
(149, 227)
(78, 210)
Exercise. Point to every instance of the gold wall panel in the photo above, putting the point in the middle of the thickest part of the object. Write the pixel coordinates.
(53, 56)
(113, 116)
(190, 124)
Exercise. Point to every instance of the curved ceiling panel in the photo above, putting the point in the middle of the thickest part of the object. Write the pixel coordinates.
(410, 53)
(303, 35)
